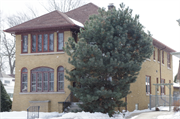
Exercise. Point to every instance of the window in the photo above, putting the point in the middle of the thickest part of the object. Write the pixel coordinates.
(42, 79)
(162, 87)
(60, 41)
(6, 81)
(42, 42)
(158, 55)
(168, 60)
(148, 85)
(60, 79)
(74, 35)
(157, 83)
(154, 58)
(24, 43)
(163, 57)
(24, 80)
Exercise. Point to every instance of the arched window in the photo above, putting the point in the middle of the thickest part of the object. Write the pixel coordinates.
(60, 73)
(24, 80)
(42, 79)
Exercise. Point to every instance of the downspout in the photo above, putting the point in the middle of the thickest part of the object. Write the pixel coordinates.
(160, 71)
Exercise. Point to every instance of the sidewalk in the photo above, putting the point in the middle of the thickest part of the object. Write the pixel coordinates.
(150, 115)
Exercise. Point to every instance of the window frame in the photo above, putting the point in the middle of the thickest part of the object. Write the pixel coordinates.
(42, 42)
(22, 78)
(42, 80)
(58, 79)
(159, 55)
(58, 41)
(148, 92)
(22, 43)
(157, 81)
(168, 60)
(154, 54)
(163, 87)
(163, 57)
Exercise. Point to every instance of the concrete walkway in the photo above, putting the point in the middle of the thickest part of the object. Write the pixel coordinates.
(149, 115)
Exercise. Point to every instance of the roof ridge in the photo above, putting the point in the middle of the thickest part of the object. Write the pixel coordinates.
(65, 16)
(81, 6)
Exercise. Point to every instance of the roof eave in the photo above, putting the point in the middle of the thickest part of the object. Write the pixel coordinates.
(14, 31)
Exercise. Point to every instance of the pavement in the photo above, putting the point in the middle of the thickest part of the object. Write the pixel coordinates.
(149, 115)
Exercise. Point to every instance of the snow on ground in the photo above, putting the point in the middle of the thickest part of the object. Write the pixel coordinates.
(84, 115)
(23, 115)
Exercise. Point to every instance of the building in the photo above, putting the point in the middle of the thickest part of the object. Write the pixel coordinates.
(8, 83)
(40, 62)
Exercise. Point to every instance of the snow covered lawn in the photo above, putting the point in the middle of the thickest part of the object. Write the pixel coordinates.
(83, 115)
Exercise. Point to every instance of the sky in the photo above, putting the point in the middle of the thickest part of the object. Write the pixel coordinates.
(157, 16)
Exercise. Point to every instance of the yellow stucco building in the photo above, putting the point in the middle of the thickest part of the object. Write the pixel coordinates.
(40, 62)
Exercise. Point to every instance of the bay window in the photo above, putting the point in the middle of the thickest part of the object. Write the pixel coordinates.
(42, 79)
(42, 42)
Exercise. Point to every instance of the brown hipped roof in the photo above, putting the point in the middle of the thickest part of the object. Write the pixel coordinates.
(58, 20)
(53, 19)
(162, 46)
(82, 13)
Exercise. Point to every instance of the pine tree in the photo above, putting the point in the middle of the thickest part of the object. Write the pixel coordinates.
(6, 102)
(107, 59)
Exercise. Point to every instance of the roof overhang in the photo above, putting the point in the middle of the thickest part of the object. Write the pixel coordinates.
(177, 54)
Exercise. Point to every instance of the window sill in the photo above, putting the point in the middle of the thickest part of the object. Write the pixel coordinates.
(29, 93)
(148, 59)
(169, 68)
(44, 53)
(147, 94)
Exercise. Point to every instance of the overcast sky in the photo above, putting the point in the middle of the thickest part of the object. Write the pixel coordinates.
(157, 16)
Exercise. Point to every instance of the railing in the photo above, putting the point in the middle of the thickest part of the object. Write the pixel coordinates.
(68, 101)
(162, 100)
(33, 112)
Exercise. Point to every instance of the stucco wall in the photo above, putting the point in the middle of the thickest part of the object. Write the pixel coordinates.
(150, 68)
(21, 100)
(138, 96)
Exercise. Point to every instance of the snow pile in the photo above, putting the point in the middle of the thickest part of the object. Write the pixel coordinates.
(23, 115)
(174, 116)
(88, 115)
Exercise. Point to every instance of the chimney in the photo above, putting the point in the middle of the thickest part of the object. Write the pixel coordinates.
(110, 6)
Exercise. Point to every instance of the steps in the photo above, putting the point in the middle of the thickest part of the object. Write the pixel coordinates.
(73, 107)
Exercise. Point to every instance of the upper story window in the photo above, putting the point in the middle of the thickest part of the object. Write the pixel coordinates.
(24, 43)
(24, 80)
(168, 60)
(60, 78)
(42, 79)
(60, 41)
(148, 85)
(158, 54)
(163, 57)
(154, 54)
(42, 42)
